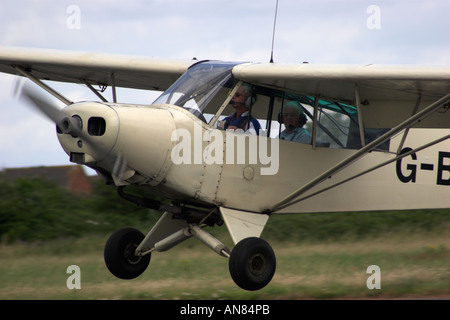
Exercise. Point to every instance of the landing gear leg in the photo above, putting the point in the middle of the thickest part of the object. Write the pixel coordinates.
(252, 264)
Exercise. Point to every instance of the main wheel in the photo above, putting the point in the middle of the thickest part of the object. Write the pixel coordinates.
(252, 264)
(120, 256)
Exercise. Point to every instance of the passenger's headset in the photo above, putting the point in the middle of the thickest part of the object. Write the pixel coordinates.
(250, 101)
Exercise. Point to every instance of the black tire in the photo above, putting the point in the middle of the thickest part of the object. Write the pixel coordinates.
(119, 254)
(252, 264)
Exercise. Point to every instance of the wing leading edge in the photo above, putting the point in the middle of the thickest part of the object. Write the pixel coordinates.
(95, 68)
(339, 82)
(333, 82)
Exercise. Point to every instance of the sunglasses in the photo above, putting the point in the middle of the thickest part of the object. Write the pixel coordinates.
(237, 94)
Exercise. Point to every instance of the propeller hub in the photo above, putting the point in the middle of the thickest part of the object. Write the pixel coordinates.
(71, 125)
(88, 131)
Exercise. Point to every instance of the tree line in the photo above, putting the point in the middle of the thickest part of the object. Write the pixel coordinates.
(34, 209)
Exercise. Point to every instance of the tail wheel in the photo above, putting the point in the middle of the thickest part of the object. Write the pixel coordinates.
(120, 256)
(252, 264)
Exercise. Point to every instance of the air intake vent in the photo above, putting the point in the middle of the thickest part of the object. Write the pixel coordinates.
(96, 126)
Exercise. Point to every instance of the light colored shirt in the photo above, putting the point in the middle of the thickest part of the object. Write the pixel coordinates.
(297, 135)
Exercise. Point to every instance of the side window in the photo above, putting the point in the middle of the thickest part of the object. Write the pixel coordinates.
(336, 125)
(290, 116)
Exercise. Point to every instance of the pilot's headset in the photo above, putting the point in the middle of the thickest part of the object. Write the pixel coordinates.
(301, 118)
(251, 99)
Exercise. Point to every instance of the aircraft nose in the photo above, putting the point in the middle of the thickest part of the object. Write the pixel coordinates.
(89, 132)
(142, 150)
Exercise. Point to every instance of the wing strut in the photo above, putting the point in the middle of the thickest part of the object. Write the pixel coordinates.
(113, 87)
(43, 85)
(360, 118)
(385, 163)
(93, 90)
(416, 107)
(405, 124)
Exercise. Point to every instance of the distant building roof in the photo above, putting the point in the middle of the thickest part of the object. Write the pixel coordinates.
(72, 178)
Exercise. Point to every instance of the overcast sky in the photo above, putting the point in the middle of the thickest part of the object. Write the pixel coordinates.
(318, 31)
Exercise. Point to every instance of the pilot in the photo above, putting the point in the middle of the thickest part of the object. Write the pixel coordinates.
(242, 102)
(294, 119)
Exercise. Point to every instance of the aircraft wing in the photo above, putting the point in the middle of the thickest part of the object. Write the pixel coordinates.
(339, 82)
(387, 94)
(95, 68)
(332, 82)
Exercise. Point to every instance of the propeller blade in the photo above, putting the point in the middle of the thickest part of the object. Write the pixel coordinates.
(42, 104)
(67, 124)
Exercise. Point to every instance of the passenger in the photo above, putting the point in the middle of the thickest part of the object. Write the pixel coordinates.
(294, 119)
(242, 102)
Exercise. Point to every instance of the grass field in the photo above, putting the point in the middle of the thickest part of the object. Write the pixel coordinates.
(413, 262)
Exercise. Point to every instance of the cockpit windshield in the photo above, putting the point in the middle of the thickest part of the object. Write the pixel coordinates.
(198, 86)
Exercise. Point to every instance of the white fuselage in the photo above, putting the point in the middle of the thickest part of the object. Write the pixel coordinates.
(140, 144)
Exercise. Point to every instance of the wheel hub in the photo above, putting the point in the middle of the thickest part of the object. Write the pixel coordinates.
(257, 264)
(130, 254)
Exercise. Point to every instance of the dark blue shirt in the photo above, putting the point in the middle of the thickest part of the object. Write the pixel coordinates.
(242, 122)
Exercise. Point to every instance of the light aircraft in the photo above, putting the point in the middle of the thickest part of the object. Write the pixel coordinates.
(379, 141)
